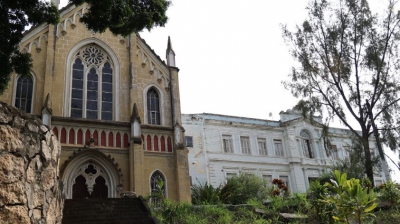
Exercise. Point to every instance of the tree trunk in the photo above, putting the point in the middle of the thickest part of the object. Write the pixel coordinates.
(368, 162)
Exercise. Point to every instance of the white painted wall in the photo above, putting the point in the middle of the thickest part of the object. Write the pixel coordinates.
(209, 163)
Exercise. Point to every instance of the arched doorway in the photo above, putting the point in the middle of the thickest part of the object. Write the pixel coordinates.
(90, 183)
(91, 174)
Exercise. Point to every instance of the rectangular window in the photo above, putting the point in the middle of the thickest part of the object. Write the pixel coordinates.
(229, 175)
(262, 147)
(278, 148)
(245, 144)
(268, 178)
(378, 182)
(189, 141)
(227, 143)
(285, 180)
(346, 151)
(333, 152)
(312, 179)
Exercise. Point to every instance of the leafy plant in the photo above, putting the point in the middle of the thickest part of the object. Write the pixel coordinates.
(238, 190)
(279, 188)
(316, 193)
(205, 194)
(172, 212)
(390, 192)
(352, 202)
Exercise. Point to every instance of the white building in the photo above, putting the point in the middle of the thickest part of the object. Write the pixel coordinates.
(291, 149)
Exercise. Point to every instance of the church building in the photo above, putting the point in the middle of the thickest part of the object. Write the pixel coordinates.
(114, 106)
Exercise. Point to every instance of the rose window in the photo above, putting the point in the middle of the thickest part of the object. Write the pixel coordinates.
(93, 55)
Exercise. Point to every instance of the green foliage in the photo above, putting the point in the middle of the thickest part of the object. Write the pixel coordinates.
(205, 194)
(352, 202)
(348, 62)
(390, 192)
(391, 216)
(171, 212)
(14, 17)
(124, 16)
(238, 190)
(355, 165)
(296, 203)
(338, 200)
(120, 16)
(319, 211)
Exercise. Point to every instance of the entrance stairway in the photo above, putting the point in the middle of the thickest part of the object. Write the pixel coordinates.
(107, 211)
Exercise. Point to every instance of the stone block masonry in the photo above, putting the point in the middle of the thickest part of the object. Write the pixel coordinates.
(29, 157)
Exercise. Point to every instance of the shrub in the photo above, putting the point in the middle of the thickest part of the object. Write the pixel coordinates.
(238, 190)
(172, 212)
(205, 194)
(320, 212)
(389, 192)
(352, 202)
(279, 188)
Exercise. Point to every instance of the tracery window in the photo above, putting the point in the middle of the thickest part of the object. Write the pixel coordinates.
(306, 144)
(153, 106)
(157, 185)
(90, 183)
(24, 93)
(92, 84)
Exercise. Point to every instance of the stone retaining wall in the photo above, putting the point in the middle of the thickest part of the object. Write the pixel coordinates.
(29, 171)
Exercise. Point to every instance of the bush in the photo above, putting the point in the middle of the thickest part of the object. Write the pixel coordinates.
(238, 190)
(389, 192)
(172, 212)
(279, 188)
(205, 194)
(352, 202)
(320, 212)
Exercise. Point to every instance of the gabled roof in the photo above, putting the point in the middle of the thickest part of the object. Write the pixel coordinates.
(151, 49)
(63, 11)
(68, 8)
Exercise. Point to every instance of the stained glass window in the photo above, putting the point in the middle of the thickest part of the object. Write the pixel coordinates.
(157, 185)
(24, 92)
(153, 107)
(92, 85)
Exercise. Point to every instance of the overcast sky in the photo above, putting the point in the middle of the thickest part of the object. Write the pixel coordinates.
(231, 54)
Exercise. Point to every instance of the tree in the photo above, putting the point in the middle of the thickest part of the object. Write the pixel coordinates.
(349, 67)
(15, 15)
(119, 16)
(354, 164)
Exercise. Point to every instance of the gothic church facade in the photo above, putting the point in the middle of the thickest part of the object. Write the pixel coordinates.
(113, 104)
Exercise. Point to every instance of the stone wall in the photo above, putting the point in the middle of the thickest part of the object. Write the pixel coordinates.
(29, 156)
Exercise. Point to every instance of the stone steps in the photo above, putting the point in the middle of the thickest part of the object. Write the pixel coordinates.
(106, 211)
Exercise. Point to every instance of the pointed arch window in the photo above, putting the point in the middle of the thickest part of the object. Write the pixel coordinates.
(153, 106)
(92, 84)
(24, 93)
(157, 186)
(306, 144)
(90, 183)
